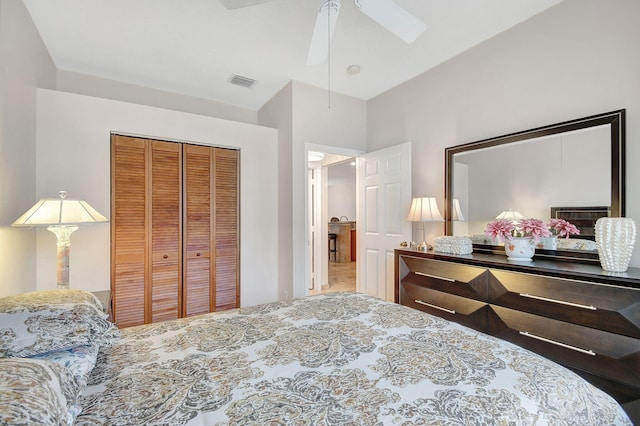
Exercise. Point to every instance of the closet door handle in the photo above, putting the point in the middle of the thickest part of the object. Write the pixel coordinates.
(553, 342)
(451, 280)
(561, 302)
(451, 311)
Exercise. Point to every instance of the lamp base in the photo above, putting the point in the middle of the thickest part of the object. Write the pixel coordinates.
(424, 246)
(65, 286)
(63, 235)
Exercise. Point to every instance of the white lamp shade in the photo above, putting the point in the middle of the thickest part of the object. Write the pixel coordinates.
(511, 215)
(424, 209)
(456, 212)
(59, 211)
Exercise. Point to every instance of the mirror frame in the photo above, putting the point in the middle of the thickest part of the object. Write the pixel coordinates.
(616, 120)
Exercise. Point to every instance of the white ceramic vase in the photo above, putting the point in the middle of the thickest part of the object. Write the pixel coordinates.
(548, 243)
(520, 249)
(615, 237)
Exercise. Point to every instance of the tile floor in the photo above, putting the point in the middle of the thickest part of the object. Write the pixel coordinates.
(342, 277)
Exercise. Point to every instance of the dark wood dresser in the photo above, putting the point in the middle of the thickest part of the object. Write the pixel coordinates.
(573, 313)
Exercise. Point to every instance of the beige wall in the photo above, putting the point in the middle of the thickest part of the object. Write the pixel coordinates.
(576, 59)
(341, 185)
(342, 123)
(68, 81)
(304, 116)
(73, 153)
(277, 113)
(24, 65)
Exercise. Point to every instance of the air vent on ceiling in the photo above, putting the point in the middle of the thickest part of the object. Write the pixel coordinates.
(239, 80)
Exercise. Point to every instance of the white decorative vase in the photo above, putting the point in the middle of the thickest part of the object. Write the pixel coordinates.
(615, 237)
(520, 248)
(548, 243)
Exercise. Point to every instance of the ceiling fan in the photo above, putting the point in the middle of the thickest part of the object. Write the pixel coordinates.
(387, 13)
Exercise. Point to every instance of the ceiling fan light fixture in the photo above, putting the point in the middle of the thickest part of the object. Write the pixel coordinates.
(393, 17)
(323, 31)
(315, 156)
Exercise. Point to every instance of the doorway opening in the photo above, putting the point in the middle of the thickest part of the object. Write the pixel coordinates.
(383, 196)
(332, 205)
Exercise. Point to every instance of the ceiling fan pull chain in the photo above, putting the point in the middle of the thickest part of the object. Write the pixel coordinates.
(329, 57)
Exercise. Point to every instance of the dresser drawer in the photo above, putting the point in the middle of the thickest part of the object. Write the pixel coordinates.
(461, 280)
(600, 306)
(469, 312)
(585, 349)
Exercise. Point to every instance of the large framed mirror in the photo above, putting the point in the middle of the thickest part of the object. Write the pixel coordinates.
(572, 170)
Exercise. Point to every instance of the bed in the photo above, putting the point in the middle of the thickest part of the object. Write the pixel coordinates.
(343, 358)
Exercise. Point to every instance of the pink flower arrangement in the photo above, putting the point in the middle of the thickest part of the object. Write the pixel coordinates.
(500, 229)
(562, 228)
(505, 229)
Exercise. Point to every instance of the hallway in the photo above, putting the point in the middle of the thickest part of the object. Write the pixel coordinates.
(342, 277)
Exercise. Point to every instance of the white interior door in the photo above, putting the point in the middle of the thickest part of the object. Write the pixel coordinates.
(384, 199)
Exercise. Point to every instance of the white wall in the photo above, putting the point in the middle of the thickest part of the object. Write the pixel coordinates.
(341, 124)
(303, 116)
(73, 153)
(576, 59)
(277, 113)
(24, 65)
(82, 84)
(341, 189)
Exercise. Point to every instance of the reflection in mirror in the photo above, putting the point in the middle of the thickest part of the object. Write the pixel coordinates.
(565, 168)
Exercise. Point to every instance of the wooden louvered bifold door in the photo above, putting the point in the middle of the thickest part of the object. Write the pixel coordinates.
(199, 285)
(175, 227)
(128, 229)
(165, 190)
(226, 228)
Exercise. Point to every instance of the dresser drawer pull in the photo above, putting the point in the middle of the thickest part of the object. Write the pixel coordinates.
(533, 336)
(436, 277)
(562, 302)
(435, 306)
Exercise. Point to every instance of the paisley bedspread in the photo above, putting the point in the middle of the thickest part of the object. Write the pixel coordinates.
(335, 359)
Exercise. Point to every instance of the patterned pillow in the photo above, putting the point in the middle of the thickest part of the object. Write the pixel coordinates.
(44, 321)
(49, 297)
(79, 360)
(36, 392)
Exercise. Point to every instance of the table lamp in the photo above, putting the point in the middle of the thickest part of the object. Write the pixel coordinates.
(456, 211)
(510, 215)
(424, 209)
(61, 216)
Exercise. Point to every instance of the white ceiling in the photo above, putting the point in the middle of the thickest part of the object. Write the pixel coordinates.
(192, 47)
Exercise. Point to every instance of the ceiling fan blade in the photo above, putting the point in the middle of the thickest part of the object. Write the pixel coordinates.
(393, 17)
(237, 4)
(323, 31)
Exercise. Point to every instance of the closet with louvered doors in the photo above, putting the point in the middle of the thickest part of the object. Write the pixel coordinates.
(175, 230)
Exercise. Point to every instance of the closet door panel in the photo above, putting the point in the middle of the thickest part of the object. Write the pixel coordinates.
(175, 231)
(166, 231)
(198, 285)
(128, 213)
(226, 228)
